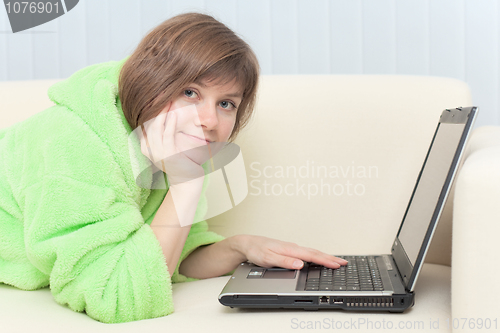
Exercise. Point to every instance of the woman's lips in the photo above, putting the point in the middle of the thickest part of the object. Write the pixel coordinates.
(195, 138)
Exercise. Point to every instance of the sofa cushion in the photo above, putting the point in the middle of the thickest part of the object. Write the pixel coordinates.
(332, 160)
(197, 309)
(475, 231)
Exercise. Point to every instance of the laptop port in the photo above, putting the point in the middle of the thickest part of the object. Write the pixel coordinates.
(304, 301)
(338, 301)
(324, 300)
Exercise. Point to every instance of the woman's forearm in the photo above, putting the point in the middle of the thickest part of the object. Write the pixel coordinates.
(213, 260)
(173, 220)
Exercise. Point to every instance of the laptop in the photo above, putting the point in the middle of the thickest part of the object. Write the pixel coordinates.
(383, 282)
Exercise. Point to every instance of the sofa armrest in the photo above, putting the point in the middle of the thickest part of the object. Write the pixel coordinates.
(476, 226)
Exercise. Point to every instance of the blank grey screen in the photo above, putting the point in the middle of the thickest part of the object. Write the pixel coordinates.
(429, 188)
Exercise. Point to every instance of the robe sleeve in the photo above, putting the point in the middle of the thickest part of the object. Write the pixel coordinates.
(198, 236)
(84, 229)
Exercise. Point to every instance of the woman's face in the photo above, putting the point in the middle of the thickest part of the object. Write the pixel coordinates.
(209, 114)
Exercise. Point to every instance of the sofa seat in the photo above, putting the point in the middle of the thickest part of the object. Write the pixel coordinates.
(198, 310)
(340, 121)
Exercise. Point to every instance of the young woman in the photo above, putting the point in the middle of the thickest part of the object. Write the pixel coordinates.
(72, 215)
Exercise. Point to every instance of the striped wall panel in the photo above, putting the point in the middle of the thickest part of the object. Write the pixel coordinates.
(451, 38)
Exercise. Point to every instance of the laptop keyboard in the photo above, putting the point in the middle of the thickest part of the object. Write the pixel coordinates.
(361, 273)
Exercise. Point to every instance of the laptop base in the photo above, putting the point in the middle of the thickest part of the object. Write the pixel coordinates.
(392, 303)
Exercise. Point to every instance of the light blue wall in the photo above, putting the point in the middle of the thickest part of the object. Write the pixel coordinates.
(452, 38)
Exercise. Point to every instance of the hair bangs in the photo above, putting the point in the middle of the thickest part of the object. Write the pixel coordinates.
(225, 71)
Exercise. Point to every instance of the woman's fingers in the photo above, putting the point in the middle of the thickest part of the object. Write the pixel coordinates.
(286, 262)
(268, 252)
(144, 148)
(325, 258)
(158, 145)
(169, 131)
(156, 133)
(146, 143)
(296, 252)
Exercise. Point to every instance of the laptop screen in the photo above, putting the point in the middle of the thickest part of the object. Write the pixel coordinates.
(431, 191)
(427, 192)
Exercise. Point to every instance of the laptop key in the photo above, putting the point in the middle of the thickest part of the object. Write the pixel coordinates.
(312, 285)
(308, 288)
(313, 274)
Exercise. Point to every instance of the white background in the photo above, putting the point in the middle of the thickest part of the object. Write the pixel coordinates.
(451, 38)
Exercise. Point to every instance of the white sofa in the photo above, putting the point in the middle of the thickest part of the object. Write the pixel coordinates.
(380, 127)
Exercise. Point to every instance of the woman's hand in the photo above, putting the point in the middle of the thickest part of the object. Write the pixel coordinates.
(158, 144)
(267, 252)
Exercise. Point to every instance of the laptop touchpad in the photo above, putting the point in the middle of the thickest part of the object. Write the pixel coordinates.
(279, 273)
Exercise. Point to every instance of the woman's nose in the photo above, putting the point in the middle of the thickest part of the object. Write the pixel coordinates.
(207, 114)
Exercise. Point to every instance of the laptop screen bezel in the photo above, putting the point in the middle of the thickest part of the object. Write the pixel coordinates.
(408, 272)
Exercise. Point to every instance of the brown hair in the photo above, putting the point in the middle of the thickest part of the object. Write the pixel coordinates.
(184, 49)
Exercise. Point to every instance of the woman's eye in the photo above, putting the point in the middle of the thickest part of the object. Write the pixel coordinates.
(189, 93)
(227, 105)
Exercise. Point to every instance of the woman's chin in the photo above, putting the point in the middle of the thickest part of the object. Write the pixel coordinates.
(200, 153)
(196, 158)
